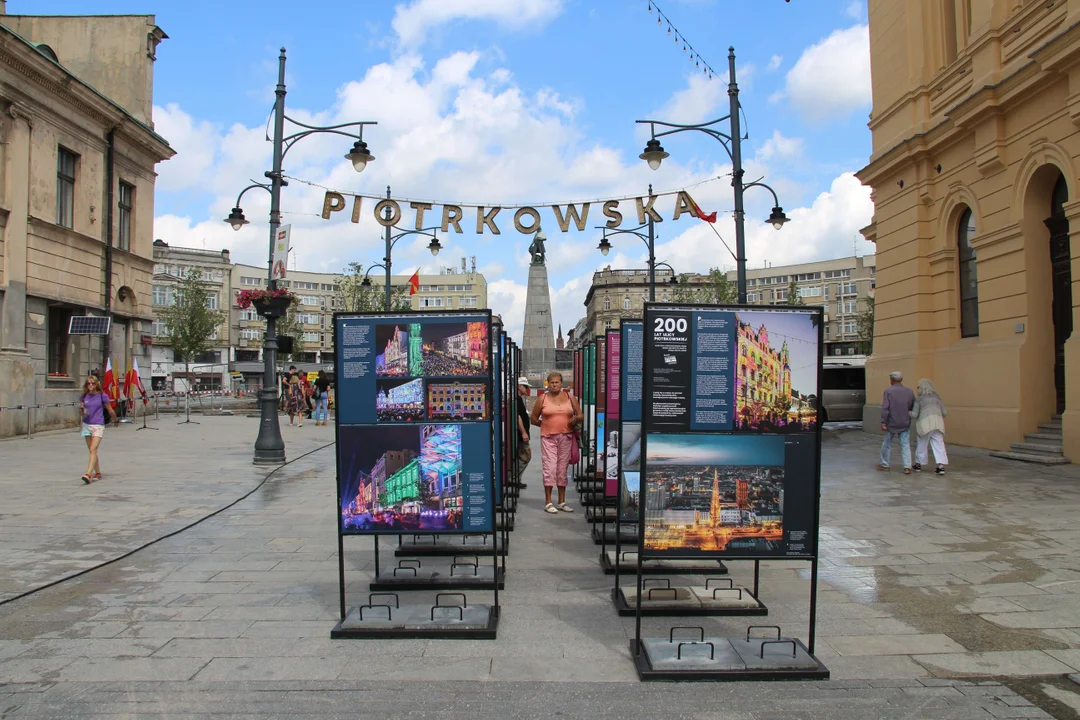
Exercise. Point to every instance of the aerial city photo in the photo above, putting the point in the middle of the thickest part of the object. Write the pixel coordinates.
(711, 493)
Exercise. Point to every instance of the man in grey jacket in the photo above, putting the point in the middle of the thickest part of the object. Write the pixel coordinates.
(896, 405)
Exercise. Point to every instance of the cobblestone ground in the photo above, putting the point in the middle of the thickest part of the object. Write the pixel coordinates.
(950, 597)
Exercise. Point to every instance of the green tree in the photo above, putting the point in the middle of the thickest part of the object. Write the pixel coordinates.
(711, 289)
(192, 325)
(353, 296)
(793, 296)
(864, 324)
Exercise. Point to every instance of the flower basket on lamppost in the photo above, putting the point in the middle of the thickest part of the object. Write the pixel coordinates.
(268, 303)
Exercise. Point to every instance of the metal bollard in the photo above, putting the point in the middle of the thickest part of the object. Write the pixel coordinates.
(29, 412)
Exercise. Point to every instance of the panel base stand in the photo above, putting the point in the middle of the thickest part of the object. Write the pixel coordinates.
(600, 513)
(725, 659)
(476, 622)
(628, 531)
(682, 600)
(628, 565)
(441, 545)
(439, 578)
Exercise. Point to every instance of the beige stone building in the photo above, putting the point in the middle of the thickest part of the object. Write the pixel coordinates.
(210, 371)
(452, 289)
(77, 157)
(976, 107)
(615, 294)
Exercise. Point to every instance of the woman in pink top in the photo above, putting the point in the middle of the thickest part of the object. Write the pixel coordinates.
(558, 415)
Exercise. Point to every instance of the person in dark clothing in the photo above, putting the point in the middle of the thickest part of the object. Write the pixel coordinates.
(896, 405)
(524, 449)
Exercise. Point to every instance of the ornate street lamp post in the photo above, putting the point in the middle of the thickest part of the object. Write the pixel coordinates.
(269, 446)
(654, 155)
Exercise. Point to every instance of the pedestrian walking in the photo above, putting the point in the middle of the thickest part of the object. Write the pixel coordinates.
(523, 423)
(558, 416)
(322, 395)
(896, 405)
(94, 404)
(308, 391)
(929, 418)
(294, 401)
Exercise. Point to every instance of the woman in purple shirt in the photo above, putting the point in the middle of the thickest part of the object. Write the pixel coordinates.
(94, 404)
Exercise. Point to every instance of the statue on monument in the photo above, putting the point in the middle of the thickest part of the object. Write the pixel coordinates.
(537, 248)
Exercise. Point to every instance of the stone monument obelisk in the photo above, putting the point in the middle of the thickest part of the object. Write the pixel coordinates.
(538, 343)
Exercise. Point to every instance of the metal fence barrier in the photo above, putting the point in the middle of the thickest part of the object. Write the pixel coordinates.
(30, 412)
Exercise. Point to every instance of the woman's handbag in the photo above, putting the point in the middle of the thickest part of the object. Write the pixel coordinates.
(575, 450)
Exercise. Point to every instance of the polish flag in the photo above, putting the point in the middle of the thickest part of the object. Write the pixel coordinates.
(133, 382)
(110, 384)
(710, 218)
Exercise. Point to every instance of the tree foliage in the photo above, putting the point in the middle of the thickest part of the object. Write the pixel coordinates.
(864, 324)
(353, 296)
(289, 326)
(711, 289)
(793, 296)
(192, 325)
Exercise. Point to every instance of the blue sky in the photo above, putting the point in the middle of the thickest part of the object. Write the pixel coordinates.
(510, 101)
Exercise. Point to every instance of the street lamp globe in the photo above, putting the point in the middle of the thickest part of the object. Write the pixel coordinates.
(236, 219)
(434, 246)
(366, 282)
(359, 156)
(604, 247)
(654, 154)
(778, 218)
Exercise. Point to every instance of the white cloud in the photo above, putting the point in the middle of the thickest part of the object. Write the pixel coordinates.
(832, 78)
(856, 9)
(414, 21)
(774, 63)
(195, 144)
(780, 147)
(698, 101)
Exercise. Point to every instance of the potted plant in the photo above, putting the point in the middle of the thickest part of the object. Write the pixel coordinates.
(268, 303)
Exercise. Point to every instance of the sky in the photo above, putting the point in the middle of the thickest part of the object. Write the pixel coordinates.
(511, 102)
(716, 449)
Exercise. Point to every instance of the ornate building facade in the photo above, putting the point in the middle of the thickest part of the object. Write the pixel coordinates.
(976, 151)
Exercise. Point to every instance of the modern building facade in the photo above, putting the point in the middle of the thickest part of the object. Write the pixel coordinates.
(210, 371)
(77, 156)
(976, 107)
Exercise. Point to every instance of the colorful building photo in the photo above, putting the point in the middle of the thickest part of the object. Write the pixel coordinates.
(440, 475)
(457, 401)
(454, 349)
(714, 493)
(399, 400)
(776, 382)
(392, 348)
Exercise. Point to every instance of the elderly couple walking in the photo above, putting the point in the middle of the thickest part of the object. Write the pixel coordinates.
(900, 407)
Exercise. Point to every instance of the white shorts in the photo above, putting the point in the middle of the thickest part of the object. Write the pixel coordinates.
(93, 430)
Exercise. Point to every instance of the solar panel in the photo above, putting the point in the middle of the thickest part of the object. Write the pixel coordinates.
(89, 325)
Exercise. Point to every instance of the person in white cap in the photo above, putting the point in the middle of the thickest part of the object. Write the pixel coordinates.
(524, 450)
(896, 405)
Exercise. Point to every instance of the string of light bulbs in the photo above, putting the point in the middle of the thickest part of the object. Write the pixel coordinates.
(699, 62)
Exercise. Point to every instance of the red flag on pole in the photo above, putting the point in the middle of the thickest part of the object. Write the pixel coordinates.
(110, 384)
(138, 380)
(710, 218)
(129, 387)
(414, 282)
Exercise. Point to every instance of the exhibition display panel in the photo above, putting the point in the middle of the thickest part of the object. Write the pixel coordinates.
(729, 470)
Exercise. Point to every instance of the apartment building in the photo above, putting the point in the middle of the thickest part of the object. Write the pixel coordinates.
(842, 286)
(615, 294)
(78, 164)
(211, 369)
(319, 298)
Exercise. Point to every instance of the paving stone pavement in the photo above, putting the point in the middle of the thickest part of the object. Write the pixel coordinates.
(937, 596)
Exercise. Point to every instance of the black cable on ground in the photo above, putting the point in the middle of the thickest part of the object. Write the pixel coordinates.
(129, 553)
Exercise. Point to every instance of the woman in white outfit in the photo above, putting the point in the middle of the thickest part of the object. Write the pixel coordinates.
(928, 417)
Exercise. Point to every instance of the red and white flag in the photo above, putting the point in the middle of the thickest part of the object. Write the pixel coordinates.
(110, 384)
(133, 382)
(710, 218)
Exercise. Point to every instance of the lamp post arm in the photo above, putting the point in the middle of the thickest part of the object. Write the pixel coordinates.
(776, 200)
(706, 128)
(264, 186)
(425, 232)
(329, 130)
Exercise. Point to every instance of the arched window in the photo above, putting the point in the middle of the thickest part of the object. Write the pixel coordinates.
(969, 277)
(607, 303)
(626, 303)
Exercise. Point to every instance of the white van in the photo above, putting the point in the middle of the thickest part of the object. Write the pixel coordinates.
(843, 388)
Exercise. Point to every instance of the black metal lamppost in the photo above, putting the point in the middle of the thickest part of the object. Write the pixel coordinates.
(269, 446)
(391, 240)
(649, 239)
(654, 154)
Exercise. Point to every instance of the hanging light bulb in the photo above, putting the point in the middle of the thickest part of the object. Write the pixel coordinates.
(650, 7)
(668, 29)
(658, 21)
(697, 64)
